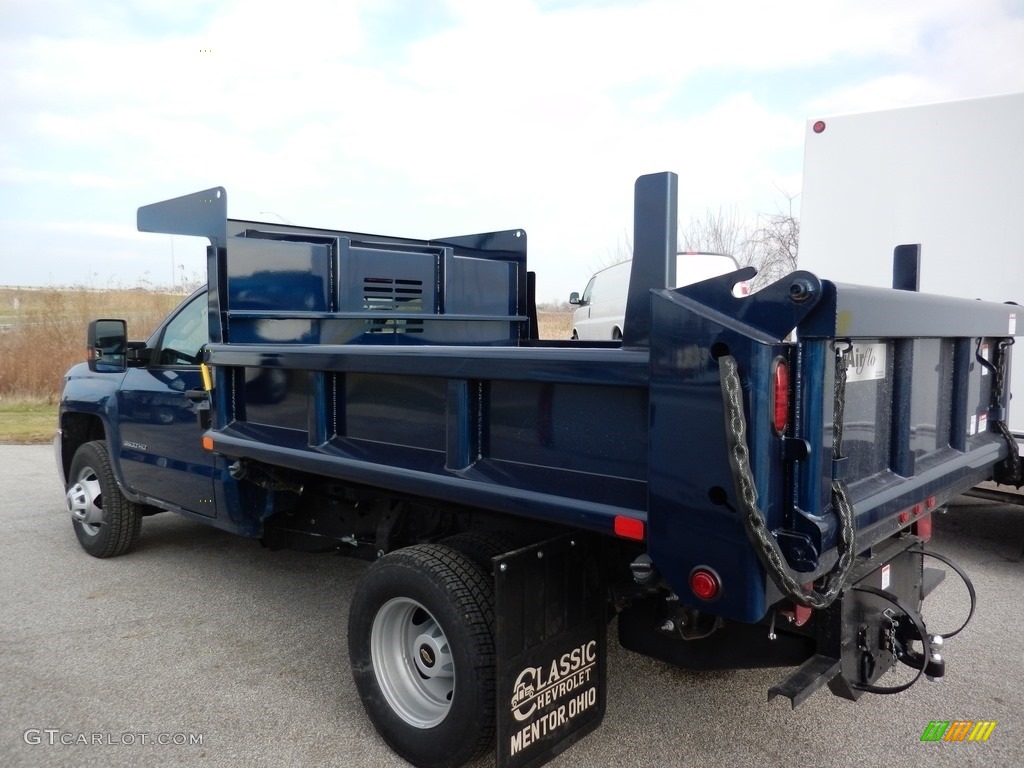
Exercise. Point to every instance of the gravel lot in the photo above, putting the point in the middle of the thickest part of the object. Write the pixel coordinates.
(201, 633)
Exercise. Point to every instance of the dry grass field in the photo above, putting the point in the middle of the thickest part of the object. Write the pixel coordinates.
(555, 325)
(42, 332)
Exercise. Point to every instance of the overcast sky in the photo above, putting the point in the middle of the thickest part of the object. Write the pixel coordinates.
(428, 118)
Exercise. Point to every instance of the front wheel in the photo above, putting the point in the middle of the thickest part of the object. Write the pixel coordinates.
(105, 522)
(421, 644)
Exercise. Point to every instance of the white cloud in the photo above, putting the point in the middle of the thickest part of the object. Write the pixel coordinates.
(492, 116)
(950, 51)
(35, 176)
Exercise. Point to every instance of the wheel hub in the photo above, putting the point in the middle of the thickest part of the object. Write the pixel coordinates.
(431, 656)
(84, 501)
(412, 662)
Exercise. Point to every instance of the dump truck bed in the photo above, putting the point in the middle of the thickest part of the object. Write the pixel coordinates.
(414, 366)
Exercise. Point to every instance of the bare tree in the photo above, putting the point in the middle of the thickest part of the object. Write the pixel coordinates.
(770, 245)
(773, 246)
(623, 252)
(721, 232)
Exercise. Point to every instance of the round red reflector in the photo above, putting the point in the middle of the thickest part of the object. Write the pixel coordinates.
(704, 583)
(780, 381)
(818, 126)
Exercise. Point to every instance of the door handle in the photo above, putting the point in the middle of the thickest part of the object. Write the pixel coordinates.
(198, 395)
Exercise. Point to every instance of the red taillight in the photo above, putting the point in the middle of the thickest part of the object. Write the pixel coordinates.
(780, 396)
(704, 583)
(923, 527)
(629, 527)
(819, 126)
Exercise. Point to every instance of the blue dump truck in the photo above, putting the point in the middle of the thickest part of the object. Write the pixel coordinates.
(739, 481)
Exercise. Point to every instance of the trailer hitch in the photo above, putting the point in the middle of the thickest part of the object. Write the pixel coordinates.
(930, 662)
(869, 630)
(905, 627)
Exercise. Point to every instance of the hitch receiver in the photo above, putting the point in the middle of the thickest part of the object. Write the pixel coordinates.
(872, 627)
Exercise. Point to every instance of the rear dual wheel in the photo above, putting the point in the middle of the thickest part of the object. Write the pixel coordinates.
(421, 644)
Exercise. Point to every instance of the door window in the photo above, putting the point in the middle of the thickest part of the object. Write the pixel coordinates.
(186, 334)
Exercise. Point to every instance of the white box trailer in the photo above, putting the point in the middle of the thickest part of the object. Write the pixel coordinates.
(949, 177)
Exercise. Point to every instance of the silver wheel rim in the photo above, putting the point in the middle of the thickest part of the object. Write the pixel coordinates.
(85, 501)
(413, 662)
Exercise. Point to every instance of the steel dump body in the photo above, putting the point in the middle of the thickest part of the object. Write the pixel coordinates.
(414, 366)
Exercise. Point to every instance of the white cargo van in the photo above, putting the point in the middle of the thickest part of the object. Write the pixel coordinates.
(602, 307)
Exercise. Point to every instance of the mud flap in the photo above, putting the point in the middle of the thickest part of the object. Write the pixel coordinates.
(551, 644)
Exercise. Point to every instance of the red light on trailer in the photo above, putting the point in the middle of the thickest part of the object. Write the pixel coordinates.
(922, 528)
(904, 517)
(704, 583)
(918, 509)
(819, 126)
(780, 396)
(629, 528)
(930, 503)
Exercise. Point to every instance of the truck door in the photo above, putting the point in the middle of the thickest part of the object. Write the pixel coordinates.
(161, 440)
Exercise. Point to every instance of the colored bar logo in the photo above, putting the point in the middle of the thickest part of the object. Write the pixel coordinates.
(958, 730)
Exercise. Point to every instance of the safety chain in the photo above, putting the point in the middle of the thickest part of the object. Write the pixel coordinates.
(765, 544)
(1008, 471)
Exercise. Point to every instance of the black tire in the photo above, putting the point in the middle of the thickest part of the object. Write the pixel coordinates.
(480, 546)
(418, 613)
(616, 334)
(105, 522)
